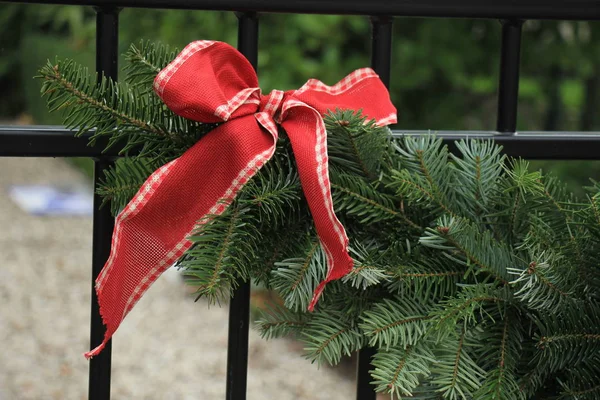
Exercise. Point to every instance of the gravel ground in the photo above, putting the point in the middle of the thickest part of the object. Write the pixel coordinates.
(168, 348)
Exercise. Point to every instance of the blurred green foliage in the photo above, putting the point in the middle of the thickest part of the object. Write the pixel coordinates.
(444, 71)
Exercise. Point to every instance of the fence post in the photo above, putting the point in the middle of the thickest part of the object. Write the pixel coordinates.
(239, 307)
(107, 35)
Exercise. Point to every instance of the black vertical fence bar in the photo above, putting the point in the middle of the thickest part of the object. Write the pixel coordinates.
(381, 47)
(381, 58)
(239, 308)
(508, 90)
(364, 389)
(107, 31)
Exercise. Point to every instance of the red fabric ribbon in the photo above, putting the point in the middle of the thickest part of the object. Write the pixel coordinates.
(212, 82)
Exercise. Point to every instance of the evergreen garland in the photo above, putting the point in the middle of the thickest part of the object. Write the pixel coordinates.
(474, 277)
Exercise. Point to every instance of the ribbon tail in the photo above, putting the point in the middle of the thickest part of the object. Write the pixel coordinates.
(151, 232)
(310, 151)
(94, 352)
(317, 295)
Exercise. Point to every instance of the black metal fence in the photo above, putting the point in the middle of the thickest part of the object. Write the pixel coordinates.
(52, 141)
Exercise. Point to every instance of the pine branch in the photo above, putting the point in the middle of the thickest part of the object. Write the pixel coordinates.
(146, 61)
(122, 181)
(274, 193)
(398, 322)
(362, 276)
(296, 279)
(533, 380)
(358, 198)
(278, 244)
(561, 216)
(526, 182)
(592, 392)
(66, 83)
(569, 338)
(367, 270)
(468, 307)
(587, 266)
(518, 201)
(479, 251)
(456, 371)
(278, 321)
(425, 176)
(354, 144)
(564, 349)
(426, 277)
(572, 337)
(590, 215)
(118, 111)
(415, 190)
(421, 273)
(329, 335)
(426, 391)
(581, 383)
(544, 285)
(556, 194)
(399, 371)
(478, 172)
(500, 359)
(222, 249)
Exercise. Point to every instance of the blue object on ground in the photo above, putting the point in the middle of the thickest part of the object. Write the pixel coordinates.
(52, 200)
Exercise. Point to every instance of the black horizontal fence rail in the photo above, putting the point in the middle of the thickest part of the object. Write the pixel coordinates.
(56, 141)
(497, 9)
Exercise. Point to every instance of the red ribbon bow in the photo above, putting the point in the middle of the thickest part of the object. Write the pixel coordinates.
(212, 82)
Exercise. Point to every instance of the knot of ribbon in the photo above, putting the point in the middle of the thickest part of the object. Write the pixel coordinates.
(212, 82)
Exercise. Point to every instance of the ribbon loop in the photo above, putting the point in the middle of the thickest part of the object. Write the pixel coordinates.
(361, 90)
(212, 82)
(209, 82)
